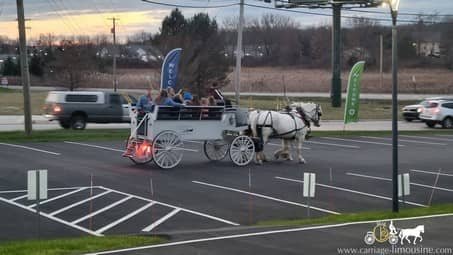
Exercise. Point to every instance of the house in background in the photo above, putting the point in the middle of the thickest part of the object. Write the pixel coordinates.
(427, 44)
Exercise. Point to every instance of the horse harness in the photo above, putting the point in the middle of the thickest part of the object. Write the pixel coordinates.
(259, 128)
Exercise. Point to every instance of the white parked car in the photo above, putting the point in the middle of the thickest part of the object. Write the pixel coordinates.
(437, 112)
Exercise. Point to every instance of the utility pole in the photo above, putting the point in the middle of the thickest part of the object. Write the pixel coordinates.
(115, 53)
(381, 60)
(335, 91)
(237, 77)
(25, 75)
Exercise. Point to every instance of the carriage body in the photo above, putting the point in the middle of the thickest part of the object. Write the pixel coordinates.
(165, 130)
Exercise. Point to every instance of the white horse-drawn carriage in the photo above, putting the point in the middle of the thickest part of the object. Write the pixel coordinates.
(160, 135)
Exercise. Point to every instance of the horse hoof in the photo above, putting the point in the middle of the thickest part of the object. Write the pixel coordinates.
(302, 161)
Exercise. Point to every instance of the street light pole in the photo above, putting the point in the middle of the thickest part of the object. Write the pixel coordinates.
(237, 74)
(394, 12)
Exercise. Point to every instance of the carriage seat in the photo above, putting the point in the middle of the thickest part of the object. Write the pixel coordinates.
(190, 113)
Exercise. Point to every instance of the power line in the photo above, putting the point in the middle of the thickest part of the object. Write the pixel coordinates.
(68, 26)
(401, 13)
(285, 10)
(191, 6)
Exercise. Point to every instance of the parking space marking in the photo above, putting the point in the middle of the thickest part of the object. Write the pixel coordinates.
(124, 218)
(50, 217)
(94, 146)
(265, 197)
(264, 233)
(175, 207)
(161, 220)
(388, 179)
(19, 197)
(359, 141)
(350, 190)
(428, 138)
(335, 145)
(58, 197)
(24, 190)
(428, 172)
(30, 148)
(79, 203)
(101, 210)
(404, 140)
(105, 190)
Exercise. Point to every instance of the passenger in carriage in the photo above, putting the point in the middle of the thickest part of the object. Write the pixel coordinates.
(164, 99)
(175, 97)
(145, 102)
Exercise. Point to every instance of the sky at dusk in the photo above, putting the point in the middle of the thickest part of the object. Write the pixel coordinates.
(68, 17)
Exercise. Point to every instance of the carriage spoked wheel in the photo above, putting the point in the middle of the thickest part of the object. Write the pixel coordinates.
(139, 151)
(242, 150)
(215, 150)
(168, 149)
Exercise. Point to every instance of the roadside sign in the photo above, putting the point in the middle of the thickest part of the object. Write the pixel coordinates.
(37, 184)
(404, 186)
(309, 184)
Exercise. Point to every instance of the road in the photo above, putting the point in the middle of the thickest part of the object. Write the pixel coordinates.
(94, 191)
(15, 123)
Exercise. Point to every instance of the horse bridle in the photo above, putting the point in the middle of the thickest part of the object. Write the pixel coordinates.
(315, 112)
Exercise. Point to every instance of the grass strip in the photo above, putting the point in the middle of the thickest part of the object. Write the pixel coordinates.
(75, 246)
(362, 216)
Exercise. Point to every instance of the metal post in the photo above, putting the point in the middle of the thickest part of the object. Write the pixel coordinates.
(115, 52)
(395, 113)
(237, 77)
(25, 74)
(381, 60)
(38, 197)
(335, 92)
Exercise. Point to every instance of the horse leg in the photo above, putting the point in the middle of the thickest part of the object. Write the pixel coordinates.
(279, 152)
(300, 140)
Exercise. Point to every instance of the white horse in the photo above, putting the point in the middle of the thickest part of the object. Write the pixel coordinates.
(415, 232)
(291, 125)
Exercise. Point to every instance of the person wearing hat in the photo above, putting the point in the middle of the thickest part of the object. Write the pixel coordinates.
(187, 98)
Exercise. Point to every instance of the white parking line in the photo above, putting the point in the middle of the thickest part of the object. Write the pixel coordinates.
(429, 138)
(428, 172)
(126, 217)
(359, 141)
(19, 197)
(101, 210)
(404, 140)
(265, 197)
(58, 197)
(161, 220)
(350, 190)
(30, 148)
(94, 146)
(50, 217)
(174, 207)
(279, 145)
(335, 145)
(79, 203)
(24, 190)
(263, 233)
(388, 179)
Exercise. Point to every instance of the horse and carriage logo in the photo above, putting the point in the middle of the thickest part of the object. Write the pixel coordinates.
(381, 234)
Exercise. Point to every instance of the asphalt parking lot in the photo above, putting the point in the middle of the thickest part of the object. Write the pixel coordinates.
(95, 191)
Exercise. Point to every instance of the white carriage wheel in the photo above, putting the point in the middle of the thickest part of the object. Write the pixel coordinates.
(167, 149)
(242, 150)
(215, 149)
(141, 151)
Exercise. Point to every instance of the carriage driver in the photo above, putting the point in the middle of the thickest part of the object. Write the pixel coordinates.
(145, 102)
